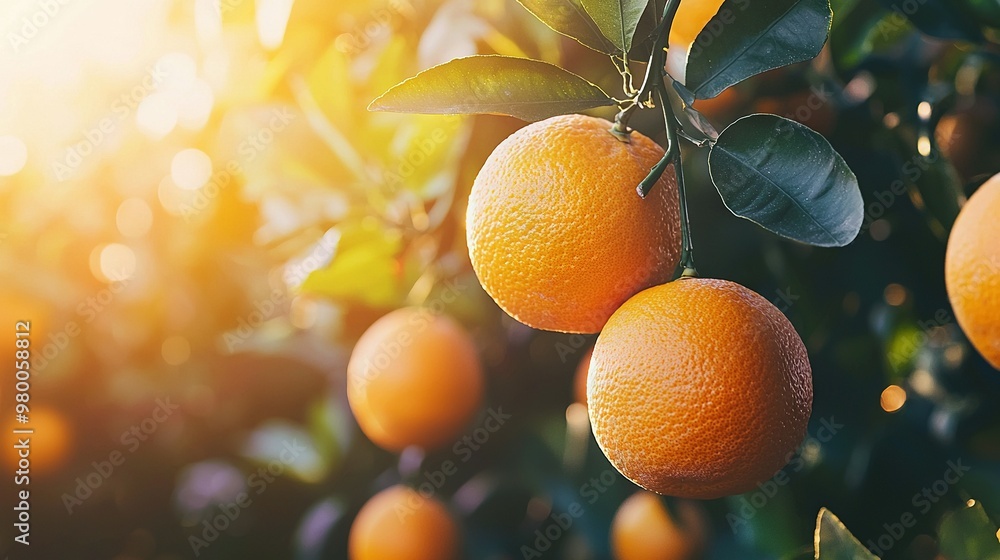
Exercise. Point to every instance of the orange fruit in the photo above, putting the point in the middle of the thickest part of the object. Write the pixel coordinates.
(689, 21)
(972, 270)
(699, 389)
(50, 445)
(804, 107)
(580, 379)
(558, 235)
(401, 524)
(414, 378)
(643, 529)
(722, 108)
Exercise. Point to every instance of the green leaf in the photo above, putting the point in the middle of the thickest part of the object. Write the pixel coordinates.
(739, 42)
(691, 120)
(571, 19)
(932, 176)
(938, 18)
(617, 19)
(861, 29)
(969, 533)
(527, 89)
(270, 444)
(788, 179)
(834, 542)
(987, 11)
(364, 268)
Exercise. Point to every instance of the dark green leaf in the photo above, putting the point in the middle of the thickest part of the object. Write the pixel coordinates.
(645, 32)
(943, 19)
(571, 19)
(862, 28)
(740, 42)
(693, 122)
(501, 85)
(787, 178)
(987, 11)
(933, 177)
(834, 542)
(968, 533)
(617, 19)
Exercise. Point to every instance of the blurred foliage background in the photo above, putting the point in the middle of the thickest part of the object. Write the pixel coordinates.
(200, 217)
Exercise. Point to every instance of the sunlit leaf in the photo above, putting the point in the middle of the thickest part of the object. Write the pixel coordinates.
(745, 39)
(969, 533)
(364, 268)
(571, 19)
(787, 178)
(617, 19)
(834, 542)
(288, 446)
(527, 89)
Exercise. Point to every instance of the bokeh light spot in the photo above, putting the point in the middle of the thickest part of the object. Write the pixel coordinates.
(180, 69)
(893, 398)
(191, 169)
(196, 106)
(303, 312)
(272, 19)
(880, 230)
(895, 295)
(156, 116)
(13, 155)
(924, 110)
(134, 217)
(176, 350)
(114, 263)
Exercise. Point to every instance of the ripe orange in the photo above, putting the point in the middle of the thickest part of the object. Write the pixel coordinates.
(699, 388)
(580, 378)
(689, 22)
(644, 530)
(723, 108)
(414, 379)
(972, 270)
(50, 445)
(557, 234)
(802, 106)
(401, 524)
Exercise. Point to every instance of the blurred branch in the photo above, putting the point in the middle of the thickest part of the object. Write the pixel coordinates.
(334, 139)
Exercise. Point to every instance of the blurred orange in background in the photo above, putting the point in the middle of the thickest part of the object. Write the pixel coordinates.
(49, 447)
